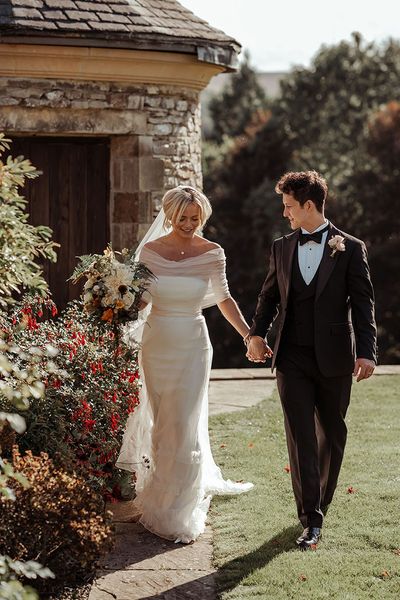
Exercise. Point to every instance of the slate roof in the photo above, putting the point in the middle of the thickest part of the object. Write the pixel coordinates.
(146, 24)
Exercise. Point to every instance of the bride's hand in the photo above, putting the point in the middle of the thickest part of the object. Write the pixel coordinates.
(258, 349)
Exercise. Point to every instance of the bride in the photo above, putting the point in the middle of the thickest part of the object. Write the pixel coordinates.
(166, 440)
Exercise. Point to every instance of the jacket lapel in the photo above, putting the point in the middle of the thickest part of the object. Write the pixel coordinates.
(289, 246)
(328, 262)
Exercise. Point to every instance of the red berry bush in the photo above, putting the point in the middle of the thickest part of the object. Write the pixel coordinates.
(91, 387)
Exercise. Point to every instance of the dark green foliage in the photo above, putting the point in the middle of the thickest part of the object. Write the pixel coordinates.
(233, 110)
(329, 117)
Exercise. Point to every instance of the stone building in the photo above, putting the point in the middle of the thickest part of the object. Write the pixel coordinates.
(103, 97)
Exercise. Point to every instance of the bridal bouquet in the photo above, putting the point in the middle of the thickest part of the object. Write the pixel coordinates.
(114, 286)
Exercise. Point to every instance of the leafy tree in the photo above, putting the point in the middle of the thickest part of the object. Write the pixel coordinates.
(21, 244)
(242, 101)
(378, 179)
(328, 118)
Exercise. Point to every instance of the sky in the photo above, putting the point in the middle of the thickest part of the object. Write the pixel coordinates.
(284, 33)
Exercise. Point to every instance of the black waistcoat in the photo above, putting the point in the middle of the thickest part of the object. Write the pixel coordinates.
(299, 322)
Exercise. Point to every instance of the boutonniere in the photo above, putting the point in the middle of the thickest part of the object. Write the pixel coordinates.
(337, 244)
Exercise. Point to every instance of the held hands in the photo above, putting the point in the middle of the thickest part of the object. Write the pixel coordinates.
(258, 349)
(363, 368)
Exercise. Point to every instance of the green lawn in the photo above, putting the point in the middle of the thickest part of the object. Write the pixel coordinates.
(359, 556)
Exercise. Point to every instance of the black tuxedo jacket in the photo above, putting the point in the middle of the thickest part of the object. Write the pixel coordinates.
(344, 303)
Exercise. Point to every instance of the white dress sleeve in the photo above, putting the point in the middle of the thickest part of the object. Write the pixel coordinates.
(219, 283)
(218, 289)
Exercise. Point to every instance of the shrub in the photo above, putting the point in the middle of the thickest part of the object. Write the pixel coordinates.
(63, 515)
(20, 242)
(91, 387)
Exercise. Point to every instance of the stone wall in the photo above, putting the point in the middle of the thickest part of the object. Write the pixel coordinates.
(154, 131)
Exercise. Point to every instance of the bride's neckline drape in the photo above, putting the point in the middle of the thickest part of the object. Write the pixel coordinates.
(182, 259)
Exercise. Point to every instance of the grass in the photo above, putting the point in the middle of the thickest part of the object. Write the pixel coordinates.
(359, 555)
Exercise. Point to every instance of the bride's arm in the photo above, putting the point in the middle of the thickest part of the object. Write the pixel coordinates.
(226, 304)
(233, 315)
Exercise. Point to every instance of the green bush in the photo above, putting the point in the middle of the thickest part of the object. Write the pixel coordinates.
(20, 243)
(46, 513)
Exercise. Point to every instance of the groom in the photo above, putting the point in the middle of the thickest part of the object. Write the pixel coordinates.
(319, 284)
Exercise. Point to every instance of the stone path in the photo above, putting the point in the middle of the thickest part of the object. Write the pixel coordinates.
(145, 567)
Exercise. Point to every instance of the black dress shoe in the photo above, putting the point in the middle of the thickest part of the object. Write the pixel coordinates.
(309, 538)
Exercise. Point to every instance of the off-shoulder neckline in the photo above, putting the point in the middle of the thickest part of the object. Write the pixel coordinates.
(182, 259)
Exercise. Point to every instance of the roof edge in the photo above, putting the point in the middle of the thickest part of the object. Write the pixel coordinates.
(222, 53)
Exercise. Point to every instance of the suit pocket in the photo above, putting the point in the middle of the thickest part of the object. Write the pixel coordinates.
(341, 328)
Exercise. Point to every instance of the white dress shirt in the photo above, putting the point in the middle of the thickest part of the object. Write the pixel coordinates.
(310, 254)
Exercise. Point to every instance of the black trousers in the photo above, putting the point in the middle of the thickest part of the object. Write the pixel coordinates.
(314, 408)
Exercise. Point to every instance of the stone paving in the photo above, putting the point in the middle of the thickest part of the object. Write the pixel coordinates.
(144, 567)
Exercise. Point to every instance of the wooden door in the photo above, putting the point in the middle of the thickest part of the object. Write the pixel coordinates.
(71, 197)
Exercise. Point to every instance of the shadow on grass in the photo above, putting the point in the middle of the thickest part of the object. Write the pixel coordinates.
(234, 571)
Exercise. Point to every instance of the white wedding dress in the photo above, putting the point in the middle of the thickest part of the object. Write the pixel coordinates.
(166, 442)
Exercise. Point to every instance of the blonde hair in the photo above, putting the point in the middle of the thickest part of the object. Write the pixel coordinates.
(175, 202)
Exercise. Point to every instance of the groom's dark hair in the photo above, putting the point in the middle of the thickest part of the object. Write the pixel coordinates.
(303, 186)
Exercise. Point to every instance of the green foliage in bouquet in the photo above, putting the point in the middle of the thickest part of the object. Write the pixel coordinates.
(20, 243)
(114, 287)
(63, 514)
(91, 386)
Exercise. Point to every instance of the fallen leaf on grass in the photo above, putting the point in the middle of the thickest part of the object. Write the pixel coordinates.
(287, 468)
(251, 445)
(385, 574)
(223, 446)
(303, 578)
(275, 542)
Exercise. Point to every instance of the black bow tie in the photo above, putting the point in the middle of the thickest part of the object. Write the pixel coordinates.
(312, 237)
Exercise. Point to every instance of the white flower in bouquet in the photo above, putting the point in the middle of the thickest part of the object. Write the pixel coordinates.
(128, 299)
(90, 283)
(135, 285)
(110, 298)
(120, 276)
(113, 289)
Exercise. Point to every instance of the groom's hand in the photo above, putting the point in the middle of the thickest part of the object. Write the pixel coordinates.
(258, 349)
(363, 368)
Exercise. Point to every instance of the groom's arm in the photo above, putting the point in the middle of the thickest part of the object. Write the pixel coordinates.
(362, 304)
(268, 300)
